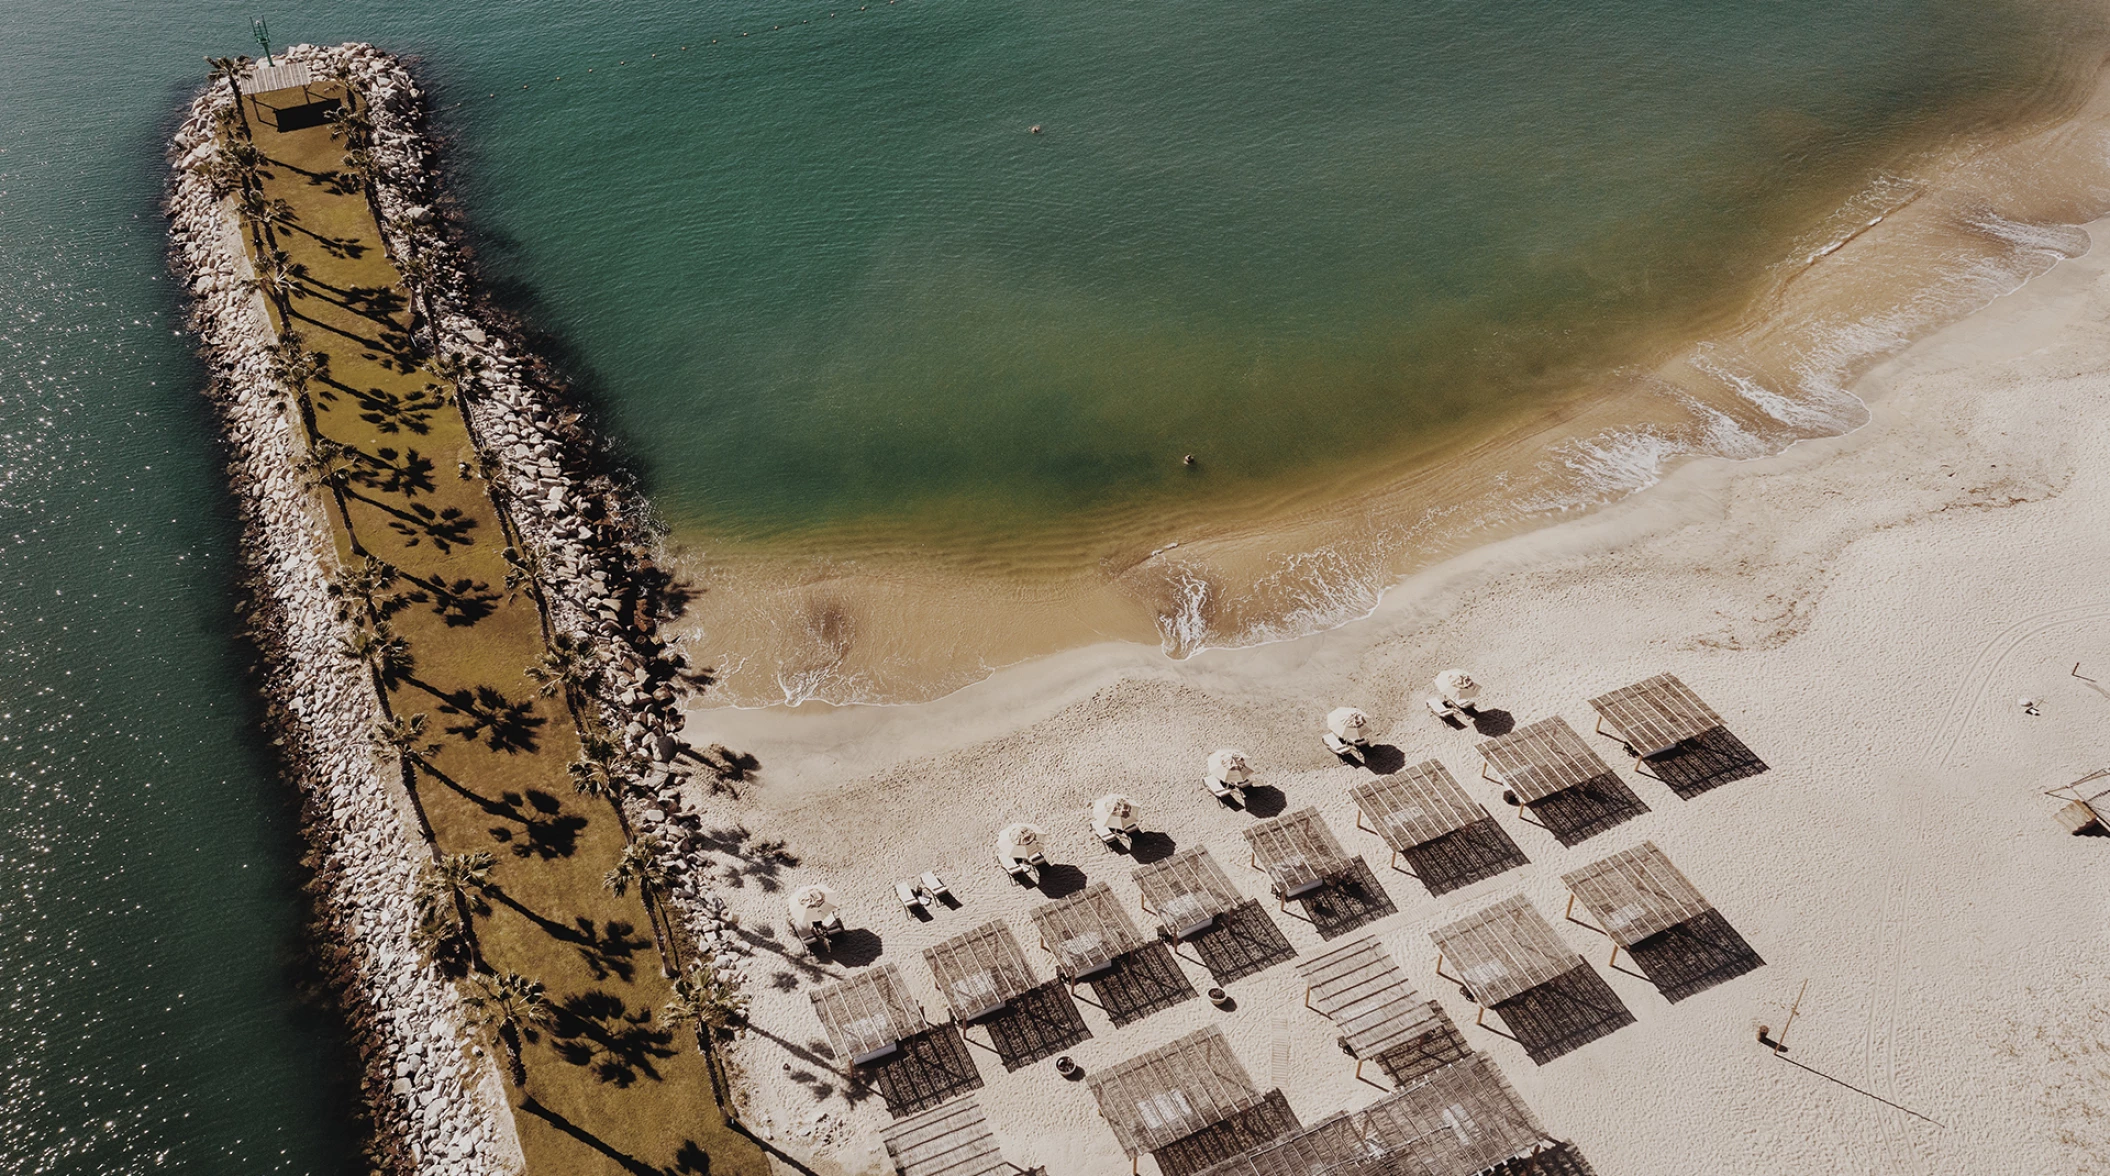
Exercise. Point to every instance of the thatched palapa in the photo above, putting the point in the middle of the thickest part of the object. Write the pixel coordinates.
(868, 1015)
(981, 971)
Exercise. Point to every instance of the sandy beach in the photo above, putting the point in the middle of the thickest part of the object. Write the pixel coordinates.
(1865, 610)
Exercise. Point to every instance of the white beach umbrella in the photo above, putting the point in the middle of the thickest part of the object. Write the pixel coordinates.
(1457, 686)
(1019, 842)
(1228, 765)
(1114, 811)
(811, 904)
(1348, 724)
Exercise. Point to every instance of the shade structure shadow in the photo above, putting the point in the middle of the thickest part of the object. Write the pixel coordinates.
(1561, 1159)
(1694, 956)
(1241, 942)
(1267, 1120)
(1040, 1022)
(302, 116)
(930, 1068)
(1702, 763)
(1428, 1051)
(855, 947)
(1574, 815)
(1346, 901)
(1490, 723)
(1383, 759)
(1141, 982)
(1564, 1014)
(1462, 857)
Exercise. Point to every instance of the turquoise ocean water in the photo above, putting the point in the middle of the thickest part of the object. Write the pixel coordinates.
(821, 276)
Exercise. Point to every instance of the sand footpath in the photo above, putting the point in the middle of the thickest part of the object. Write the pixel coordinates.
(1865, 611)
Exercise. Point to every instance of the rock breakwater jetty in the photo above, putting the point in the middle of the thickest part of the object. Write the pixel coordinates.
(462, 911)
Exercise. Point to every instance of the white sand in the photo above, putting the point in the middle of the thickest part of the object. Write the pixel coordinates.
(1864, 610)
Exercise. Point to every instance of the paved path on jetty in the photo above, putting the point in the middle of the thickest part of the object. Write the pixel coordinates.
(612, 1087)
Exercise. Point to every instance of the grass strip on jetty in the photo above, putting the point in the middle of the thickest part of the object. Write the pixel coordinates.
(450, 617)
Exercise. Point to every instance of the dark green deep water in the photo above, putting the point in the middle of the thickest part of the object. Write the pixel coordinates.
(820, 275)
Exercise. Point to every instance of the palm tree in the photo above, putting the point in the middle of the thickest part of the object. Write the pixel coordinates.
(449, 896)
(523, 570)
(398, 736)
(271, 214)
(403, 740)
(384, 651)
(361, 583)
(275, 280)
(230, 70)
(648, 864)
(707, 999)
(417, 273)
(512, 1006)
(458, 368)
(567, 666)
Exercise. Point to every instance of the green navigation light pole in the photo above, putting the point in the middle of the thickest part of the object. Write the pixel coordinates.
(263, 36)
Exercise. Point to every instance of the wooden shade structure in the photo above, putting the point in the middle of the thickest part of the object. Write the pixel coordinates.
(867, 1016)
(1634, 894)
(1087, 931)
(1414, 806)
(1359, 988)
(1502, 951)
(1460, 1120)
(1161, 1097)
(1297, 852)
(1330, 1147)
(1654, 715)
(1540, 759)
(951, 1140)
(980, 971)
(1186, 891)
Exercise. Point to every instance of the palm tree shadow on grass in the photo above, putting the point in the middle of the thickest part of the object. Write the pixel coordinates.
(607, 950)
(546, 830)
(487, 715)
(597, 1030)
(628, 1162)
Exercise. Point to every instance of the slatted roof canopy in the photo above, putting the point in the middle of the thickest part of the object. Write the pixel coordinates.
(265, 78)
(952, 1140)
(1636, 893)
(1297, 850)
(1460, 1120)
(1416, 805)
(1657, 714)
(1542, 758)
(1187, 890)
(1175, 1090)
(1087, 930)
(979, 971)
(1359, 988)
(1504, 950)
(868, 1013)
(1330, 1147)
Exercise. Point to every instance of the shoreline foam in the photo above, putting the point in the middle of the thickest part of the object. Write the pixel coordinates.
(1925, 244)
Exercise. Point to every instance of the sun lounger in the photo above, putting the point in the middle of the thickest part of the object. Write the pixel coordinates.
(1113, 838)
(935, 886)
(1222, 791)
(1341, 747)
(807, 933)
(912, 899)
(1022, 872)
